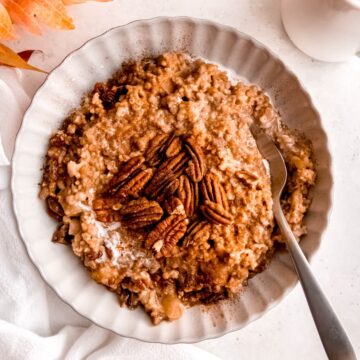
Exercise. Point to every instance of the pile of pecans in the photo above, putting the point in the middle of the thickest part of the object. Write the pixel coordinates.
(168, 192)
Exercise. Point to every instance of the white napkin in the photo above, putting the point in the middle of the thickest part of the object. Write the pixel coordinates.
(34, 322)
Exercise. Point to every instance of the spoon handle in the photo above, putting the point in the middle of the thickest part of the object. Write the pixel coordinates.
(333, 336)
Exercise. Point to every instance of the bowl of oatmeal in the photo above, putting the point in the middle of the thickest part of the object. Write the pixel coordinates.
(150, 177)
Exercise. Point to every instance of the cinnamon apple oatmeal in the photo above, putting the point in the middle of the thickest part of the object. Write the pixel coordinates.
(159, 188)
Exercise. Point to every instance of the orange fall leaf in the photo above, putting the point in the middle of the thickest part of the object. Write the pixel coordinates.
(52, 13)
(18, 16)
(32, 13)
(6, 27)
(10, 58)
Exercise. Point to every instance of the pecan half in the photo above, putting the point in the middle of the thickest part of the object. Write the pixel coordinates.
(136, 184)
(61, 235)
(188, 193)
(106, 209)
(174, 147)
(216, 214)
(168, 191)
(158, 146)
(139, 213)
(108, 215)
(198, 231)
(153, 154)
(196, 168)
(167, 234)
(160, 181)
(176, 164)
(54, 208)
(173, 205)
(212, 190)
(125, 171)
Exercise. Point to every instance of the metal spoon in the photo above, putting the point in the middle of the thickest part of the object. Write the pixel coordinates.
(333, 337)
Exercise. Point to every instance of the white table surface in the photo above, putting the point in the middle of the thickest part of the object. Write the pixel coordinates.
(286, 332)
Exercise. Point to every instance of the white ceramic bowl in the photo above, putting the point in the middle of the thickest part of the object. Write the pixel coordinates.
(62, 91)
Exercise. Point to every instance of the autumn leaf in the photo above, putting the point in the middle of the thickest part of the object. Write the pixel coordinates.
(10, 58)
(18, 15)
(32, 13)
(51, 12)
(6, 27)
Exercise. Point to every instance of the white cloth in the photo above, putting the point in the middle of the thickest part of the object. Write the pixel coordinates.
(34, 322)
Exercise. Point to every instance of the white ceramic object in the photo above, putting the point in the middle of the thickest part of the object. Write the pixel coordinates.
(62, 91)
(327, 30)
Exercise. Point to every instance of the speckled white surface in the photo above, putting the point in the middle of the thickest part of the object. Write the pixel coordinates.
(287, 331)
